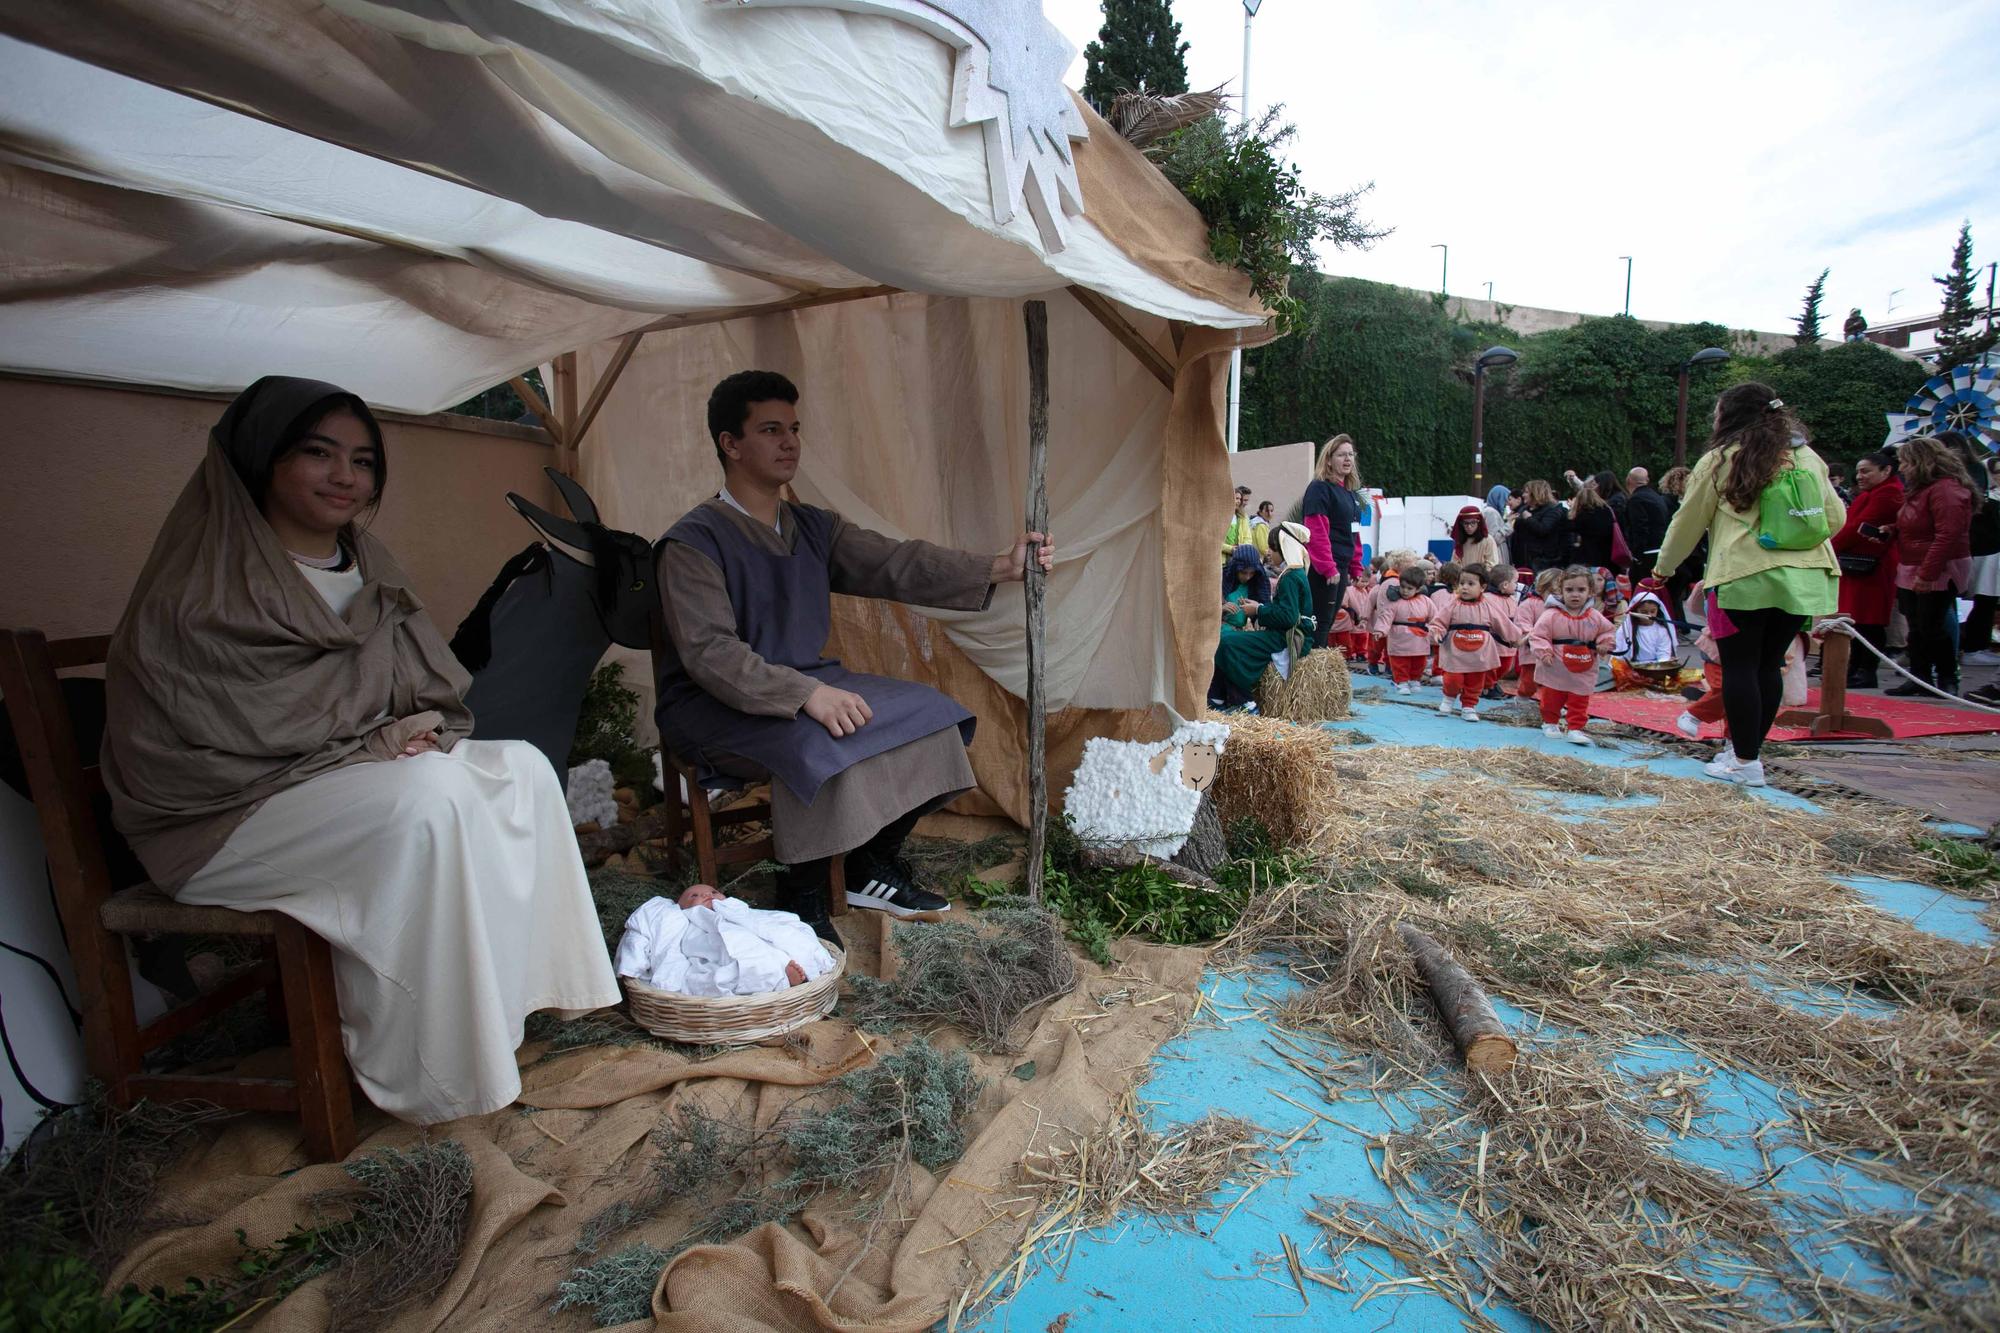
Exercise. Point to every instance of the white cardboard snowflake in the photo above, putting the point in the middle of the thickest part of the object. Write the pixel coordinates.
(1008, 79)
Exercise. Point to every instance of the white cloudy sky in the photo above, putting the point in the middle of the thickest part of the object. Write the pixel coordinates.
(1733, 147)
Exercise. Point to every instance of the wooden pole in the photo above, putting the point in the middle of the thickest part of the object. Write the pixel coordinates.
(1462, 1003)
(1037, 316)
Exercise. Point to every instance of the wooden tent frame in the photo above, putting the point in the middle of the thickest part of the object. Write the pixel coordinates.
(566, 423)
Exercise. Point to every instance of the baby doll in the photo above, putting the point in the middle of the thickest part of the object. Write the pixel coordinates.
(708, 943)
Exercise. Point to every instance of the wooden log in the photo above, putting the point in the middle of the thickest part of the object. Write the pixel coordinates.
(1462, 1003)
(600, 846)
(1119, 858)
(1036, 313)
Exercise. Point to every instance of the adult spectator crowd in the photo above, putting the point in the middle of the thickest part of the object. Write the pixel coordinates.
(1903, 554)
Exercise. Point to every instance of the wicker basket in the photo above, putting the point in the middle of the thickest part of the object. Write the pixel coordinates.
(730, 1020)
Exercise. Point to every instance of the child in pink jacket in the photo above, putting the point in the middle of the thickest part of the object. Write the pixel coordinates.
(1403, 616)
(1469, 636)
(1568, 642)
(1540, 593)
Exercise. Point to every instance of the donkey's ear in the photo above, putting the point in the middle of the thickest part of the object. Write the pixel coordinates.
(552, 529)
(578, 499)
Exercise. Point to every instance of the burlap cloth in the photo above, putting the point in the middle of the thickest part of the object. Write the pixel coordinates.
(540, 1174)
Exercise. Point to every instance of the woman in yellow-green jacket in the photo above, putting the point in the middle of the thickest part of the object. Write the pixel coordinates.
(1758, 598)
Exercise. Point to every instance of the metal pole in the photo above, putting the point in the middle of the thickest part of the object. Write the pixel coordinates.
(1236, 356)
(1681, 420)
(1628, 283)
(1444, 272)
(1478, 429)
(1489, 293)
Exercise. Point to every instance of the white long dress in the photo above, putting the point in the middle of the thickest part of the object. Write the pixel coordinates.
(451, 891)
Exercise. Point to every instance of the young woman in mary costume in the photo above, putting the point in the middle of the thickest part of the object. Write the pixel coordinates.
(286, 733)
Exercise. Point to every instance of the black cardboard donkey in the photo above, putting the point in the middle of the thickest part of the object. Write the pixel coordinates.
(542, 626)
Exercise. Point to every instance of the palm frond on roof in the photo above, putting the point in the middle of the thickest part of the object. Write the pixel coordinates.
(1145, 118)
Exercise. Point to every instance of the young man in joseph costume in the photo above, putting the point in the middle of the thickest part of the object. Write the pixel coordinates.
(744, 684)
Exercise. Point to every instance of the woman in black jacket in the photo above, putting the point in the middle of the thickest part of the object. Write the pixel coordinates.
(1541, 529)
(1590, 523)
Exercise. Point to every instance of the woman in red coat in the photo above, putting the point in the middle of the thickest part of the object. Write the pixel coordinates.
(1867, 550)
(1934, 556)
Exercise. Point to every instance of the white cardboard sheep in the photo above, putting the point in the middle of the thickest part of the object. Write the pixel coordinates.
(1142, 795)
(590, 795)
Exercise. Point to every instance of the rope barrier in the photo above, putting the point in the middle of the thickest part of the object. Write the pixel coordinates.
(1845, 625)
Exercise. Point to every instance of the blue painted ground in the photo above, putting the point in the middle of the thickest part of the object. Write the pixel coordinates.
(1138, 1274)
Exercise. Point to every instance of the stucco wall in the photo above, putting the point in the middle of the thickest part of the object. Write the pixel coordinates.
(1278, 473)
(91, 472)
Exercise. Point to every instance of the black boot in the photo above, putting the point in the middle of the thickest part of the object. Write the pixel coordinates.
(802, 890)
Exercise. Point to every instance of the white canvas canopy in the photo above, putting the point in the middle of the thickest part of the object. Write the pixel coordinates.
(420, 198)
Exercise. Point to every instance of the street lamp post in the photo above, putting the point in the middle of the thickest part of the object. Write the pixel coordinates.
(1707, 356)
(1492, 356)
(1444, 270)
(1628, 283)
(1250, 8)
(1489, 294)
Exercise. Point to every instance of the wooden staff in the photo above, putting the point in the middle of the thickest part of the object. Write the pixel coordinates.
(1037, 315)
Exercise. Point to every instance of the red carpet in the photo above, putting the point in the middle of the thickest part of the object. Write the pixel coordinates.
(1908, 717)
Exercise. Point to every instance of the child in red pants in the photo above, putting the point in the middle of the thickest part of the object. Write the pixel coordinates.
(1403, 618)
(1567, 643)
(1469, 637)
(1541, 592)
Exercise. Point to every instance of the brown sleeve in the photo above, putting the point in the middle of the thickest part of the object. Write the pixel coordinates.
(867, 564)
(703, 627)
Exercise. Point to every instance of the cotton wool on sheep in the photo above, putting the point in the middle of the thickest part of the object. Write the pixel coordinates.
(1143, 795)
(591, 799)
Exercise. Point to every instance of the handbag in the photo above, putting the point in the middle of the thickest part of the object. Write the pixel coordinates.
(1859, 565)
(1621, 553)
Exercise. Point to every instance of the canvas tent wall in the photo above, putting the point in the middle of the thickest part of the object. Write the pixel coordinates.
(418, 199)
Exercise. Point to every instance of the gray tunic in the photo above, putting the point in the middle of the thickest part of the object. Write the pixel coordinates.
(738, 669)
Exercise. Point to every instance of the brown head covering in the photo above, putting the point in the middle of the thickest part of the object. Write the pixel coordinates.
(231, 679)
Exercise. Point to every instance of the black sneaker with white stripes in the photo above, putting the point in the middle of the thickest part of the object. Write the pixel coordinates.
(887, 888)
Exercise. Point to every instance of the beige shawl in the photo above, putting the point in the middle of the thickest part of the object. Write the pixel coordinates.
(230, 678)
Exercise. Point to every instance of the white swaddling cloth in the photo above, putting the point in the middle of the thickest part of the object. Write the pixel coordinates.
(724, 948)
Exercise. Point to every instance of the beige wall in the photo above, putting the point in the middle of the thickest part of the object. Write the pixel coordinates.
(91, 471)
(1278, 473)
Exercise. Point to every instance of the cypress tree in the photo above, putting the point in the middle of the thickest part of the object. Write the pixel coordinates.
(1808, 327)
(1958, 342)
(1139, 49)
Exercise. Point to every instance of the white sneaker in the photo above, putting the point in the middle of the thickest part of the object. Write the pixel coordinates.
(1470, 715)
(1404, 687)
(1551, 729)
(1750, 774)
(1983, 657)
(1687, 726)
(1577, 738)
(1447, 705)
(1724, 763)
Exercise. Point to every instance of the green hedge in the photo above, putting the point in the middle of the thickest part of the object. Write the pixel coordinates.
(1391, 368)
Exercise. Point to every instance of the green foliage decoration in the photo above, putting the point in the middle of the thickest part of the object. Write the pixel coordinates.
(1138, 50)
(1261, 218)
(604, 727)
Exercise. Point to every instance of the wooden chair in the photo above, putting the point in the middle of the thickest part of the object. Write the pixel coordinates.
(98, 915)
(691, 817)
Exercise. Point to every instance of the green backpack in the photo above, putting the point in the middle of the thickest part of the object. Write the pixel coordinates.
(1791, 513)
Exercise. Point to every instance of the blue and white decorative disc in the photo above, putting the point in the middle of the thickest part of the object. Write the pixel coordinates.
(1965, 399)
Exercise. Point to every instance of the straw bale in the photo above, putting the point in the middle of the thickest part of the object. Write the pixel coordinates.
(1318, 690)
